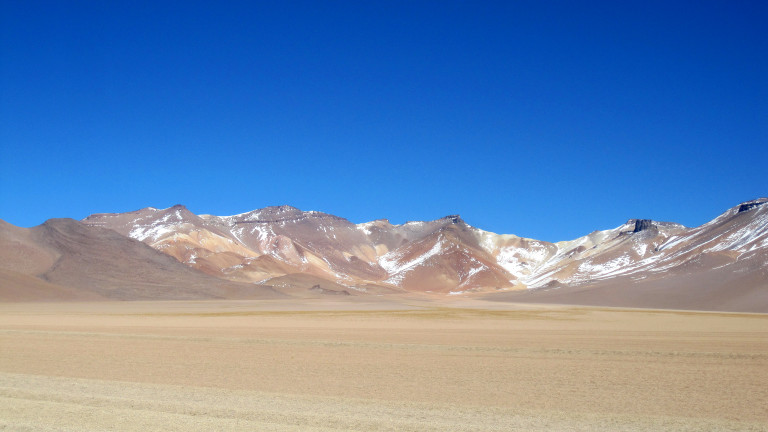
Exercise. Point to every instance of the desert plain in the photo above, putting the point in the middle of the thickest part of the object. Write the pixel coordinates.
(389, 364)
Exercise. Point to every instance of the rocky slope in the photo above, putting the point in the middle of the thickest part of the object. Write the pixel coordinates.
(306, 253)
(643, 249)
(66, 259)
(721, 265)
(445, 255)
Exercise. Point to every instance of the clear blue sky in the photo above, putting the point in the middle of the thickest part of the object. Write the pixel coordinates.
(542, 119)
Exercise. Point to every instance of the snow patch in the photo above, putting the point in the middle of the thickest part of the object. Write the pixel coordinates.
(396, 270)
(609, 268)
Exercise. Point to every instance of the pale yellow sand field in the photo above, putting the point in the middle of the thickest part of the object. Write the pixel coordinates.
(378, 365)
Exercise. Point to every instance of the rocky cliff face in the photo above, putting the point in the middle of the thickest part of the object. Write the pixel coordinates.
(750, 205)
(642, 225)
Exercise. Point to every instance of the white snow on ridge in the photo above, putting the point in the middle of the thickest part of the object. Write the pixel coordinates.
(192, 258)
(672, 241)
(265, 232)
(611, 267)
(600, 255)
(516, 260)
(744, 236)
(153, 232)
(389, 262)
(474, 270)
(366, 227)
(168, 224)
(509, 259)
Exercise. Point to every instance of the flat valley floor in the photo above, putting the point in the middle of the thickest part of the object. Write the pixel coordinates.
(389, 365)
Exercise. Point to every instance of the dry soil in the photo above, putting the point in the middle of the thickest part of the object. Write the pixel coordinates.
(375, 366)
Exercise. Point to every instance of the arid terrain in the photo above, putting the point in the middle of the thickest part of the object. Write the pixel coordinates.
(283, 252)
(370, 364)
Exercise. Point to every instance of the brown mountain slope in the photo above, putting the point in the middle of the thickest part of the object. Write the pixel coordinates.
(256, 245)
(448, 260)
(310, 242)
(20, 287)
(264, 244)
(630, 265)
(92, 262)
(180, 233)
(744, 290)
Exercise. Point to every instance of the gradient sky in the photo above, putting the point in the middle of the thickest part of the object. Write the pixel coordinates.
(545, 119)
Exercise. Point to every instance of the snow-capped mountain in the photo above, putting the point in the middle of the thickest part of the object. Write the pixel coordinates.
(721, 265)
(278, 251)
(645, 249)
(254, 246)
(445, 255)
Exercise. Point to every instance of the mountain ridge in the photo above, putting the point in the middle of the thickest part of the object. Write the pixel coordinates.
(446, 255)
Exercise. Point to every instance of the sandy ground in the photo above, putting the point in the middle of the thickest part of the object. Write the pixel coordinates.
(378, 365)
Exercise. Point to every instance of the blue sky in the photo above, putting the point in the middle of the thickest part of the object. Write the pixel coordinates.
(542, 119)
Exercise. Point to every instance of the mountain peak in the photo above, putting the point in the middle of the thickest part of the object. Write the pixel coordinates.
(270, 213)
(283, 208)
(641, 224)
(441, 255)
(455, 219)
(749, 205)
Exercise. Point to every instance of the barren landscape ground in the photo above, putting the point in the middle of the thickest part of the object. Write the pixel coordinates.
(350, 364)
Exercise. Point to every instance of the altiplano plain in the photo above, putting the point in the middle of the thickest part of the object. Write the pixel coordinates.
(407, 363)
(383, 216)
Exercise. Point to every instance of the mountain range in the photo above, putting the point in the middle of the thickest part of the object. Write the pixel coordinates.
(282, 251)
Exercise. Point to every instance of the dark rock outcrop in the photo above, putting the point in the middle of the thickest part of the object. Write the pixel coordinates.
(750, 206)
(642, 225)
